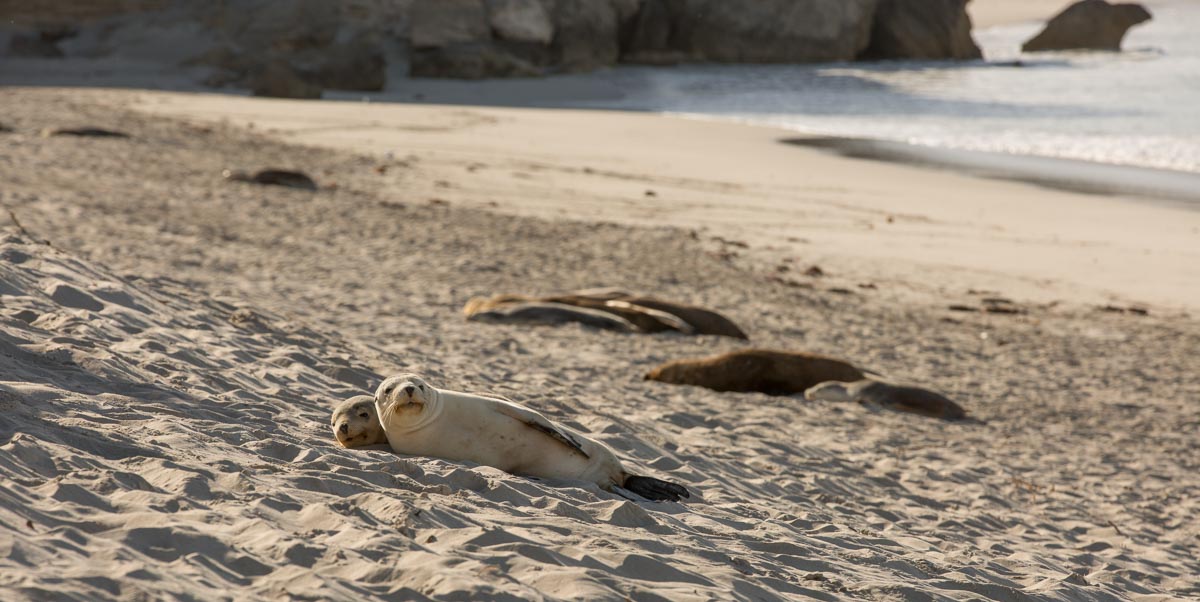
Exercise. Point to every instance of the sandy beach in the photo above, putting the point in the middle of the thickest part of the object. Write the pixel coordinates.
(174, 342)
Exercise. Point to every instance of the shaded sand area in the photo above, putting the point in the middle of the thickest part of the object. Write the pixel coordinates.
(170, 359)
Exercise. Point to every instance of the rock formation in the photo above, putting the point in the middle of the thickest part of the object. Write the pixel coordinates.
(768, 31)
(922, 30)
(1088, 25)
(299, 47)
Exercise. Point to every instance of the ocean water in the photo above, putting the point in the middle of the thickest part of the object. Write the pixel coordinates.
(1140, 107)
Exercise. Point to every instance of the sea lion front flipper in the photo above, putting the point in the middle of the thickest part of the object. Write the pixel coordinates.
(656, 490)
(539, 423)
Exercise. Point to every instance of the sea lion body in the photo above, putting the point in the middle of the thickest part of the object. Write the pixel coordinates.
(644, 318)
(421, 420)
(273, 177)
(756, 370)
(535, 312)
(647, 314)
(899, 398)
(355, 423)
(703, 321)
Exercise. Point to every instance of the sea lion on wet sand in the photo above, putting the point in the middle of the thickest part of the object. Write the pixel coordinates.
(899, 398)
(422, 420)
(355, 423)
(761, 370)
(551, 313)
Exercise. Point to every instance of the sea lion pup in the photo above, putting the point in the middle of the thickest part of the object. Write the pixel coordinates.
(762, 370)
(421, 420)
(355, 423)
(899, 398)
(533, 312)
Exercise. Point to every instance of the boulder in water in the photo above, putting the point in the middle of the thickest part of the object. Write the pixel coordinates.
(1088, 25)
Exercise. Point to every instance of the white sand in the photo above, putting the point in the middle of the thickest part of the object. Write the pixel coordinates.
(168, 366)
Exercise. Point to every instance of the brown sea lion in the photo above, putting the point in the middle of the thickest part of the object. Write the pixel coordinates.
(273, 177)
(649, 314)
(899, 398)
(644, 319)
(85, 132)
(705, 321)
(762, 370)
(537, 312)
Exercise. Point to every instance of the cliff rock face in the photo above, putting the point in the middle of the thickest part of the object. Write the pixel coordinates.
(767, 31)
(922, 30)
(1088, 25)
(307, 35)
(340, 44)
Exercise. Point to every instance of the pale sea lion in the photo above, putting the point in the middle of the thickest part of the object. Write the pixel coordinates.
(761, 370)
(532, 312)
(355, 423)
(899, 398)
(422, 420)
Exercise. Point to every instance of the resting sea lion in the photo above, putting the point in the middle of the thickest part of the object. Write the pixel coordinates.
(900, 398)
(273, 177)
(704, 321)
(762, 370)
(85, 132)
(552, 313)
(422, 420)
(355, 422)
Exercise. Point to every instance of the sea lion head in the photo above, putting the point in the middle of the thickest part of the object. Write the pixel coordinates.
(355, 422)
(828, 391)
(406, 401)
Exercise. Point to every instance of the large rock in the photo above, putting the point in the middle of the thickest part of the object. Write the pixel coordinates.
(444, 23)
(279, 79)
(520, 21)
(587, 34)
(357, 64)
(1088, 25)
(922, 29)
(469, 61)
(767, 31)
(40, 44)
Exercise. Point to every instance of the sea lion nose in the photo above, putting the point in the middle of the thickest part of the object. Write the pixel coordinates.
(409, 390)
(345, 428)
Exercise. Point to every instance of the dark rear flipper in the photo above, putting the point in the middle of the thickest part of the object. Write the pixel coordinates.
(657, 490)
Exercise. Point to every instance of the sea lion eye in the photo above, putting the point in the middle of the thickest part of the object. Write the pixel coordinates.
(388, 390)
(364, 415)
